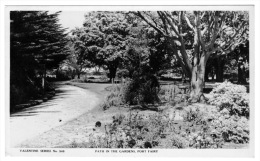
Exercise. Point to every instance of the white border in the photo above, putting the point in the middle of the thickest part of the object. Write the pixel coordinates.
(3, 65)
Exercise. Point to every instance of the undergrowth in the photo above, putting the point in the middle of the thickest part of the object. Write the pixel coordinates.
(226, 121)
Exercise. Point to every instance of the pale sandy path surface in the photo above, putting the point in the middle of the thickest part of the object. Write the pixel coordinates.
(69, 103)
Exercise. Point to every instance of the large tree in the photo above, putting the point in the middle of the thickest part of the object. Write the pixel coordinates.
(37, 43)
(196, 35)
(146, 48)
(104, 39)
(77, 59)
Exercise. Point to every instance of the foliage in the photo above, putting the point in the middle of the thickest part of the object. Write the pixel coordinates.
(133, 92)
(216, 31)
(102, 40)
(238, 63)
(231, 97)
(232, 128)
(169, 93)
(114, 98)
(202, 127)
(233, 105)
(141, 90)
(76, 60)
(146, 49)
(37, 44)
(194, 36)
(153, 131)
(36, 36)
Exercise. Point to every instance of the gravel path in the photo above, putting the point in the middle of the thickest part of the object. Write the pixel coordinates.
(69, 103)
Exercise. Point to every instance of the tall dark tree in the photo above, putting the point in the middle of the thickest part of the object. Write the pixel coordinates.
(37, 44)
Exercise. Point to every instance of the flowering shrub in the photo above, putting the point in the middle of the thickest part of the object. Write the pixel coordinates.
(232, 98)
(158, 131)
(130, 132)
(232, 128)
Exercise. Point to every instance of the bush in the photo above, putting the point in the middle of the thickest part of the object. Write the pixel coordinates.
(134, 92)
(141, 90)
(23, 94)
(231, 97)
(231, 120)
(155, 131)
(114, 98)
(168, 92)
(122, 73)
(232, 128)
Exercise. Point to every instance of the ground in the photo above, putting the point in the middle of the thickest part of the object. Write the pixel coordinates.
(35, 123)
(77, 124)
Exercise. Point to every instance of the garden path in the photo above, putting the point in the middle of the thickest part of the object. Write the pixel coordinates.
(69, 103)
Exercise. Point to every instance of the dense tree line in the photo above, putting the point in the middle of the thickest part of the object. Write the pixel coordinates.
(129, 44)
(37, 44)
(192, 37)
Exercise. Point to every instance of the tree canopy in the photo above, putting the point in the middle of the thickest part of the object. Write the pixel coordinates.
(37, 43)
(197, 35)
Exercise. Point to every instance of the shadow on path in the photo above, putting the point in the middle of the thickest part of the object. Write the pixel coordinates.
(68, 103)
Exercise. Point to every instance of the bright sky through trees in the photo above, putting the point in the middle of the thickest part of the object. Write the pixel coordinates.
(72, 19)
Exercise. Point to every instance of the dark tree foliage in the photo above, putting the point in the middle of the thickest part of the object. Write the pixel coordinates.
(37, 44)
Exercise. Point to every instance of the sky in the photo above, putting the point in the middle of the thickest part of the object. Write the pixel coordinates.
(71, 19)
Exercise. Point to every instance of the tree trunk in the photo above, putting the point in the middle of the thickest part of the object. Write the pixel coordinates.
(44, 78)
(212, 74)
(183, 78)
(112, 73)
(207, 71)
(241, 74)
(78, 75)
(198, 70)
(220, 70)
(197, 82)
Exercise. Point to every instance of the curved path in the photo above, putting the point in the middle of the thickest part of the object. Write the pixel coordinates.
(69, 103)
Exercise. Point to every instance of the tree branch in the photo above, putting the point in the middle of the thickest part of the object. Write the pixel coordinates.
(188, 22)
(197, 29)
(210, 46)
(171, 24)
(149, 23)
(164, 23)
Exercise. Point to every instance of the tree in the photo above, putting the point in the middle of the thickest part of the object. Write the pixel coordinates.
(77, 59)
(146, 48)
(37, 44)
(104, 39)
(197, 35)
(238, 63)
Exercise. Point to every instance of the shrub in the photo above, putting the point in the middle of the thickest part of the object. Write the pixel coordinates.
(122, 73)
(22, 94)
(158, 131)
(168, 92)
(232, 128)
(114, 98)
(193, 113)
(232, 98)
(141, 90)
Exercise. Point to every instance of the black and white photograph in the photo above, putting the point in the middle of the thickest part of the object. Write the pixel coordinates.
(130, 81)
